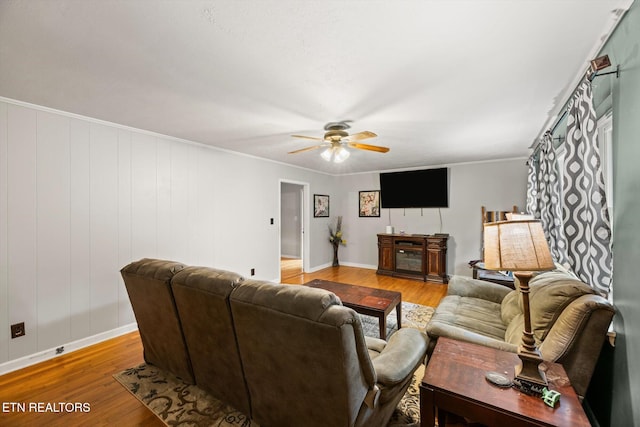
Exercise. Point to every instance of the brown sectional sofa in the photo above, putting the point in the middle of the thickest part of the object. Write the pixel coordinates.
(285, 355)
(569, 320)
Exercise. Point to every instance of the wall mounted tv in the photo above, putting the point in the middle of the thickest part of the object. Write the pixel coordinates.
(426, 188)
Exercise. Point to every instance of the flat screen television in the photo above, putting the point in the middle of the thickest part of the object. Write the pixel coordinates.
(426, 188)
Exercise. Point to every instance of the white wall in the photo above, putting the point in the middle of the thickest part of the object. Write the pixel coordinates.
(496, 185)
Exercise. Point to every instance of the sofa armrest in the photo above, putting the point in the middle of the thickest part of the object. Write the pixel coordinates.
(403, 353)
(576, 338)
(474, 288)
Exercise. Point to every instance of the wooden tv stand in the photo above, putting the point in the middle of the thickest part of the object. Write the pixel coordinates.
(413, 256)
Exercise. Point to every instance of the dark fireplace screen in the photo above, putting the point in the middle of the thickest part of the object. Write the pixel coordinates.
(409, 260)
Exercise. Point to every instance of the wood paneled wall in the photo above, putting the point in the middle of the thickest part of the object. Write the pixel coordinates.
(80, 200)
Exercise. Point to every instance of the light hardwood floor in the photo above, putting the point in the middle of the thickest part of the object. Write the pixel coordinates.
(425, 293)
(85, 376)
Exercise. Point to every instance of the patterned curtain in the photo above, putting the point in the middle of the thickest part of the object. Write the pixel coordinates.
(543, 197)
(532, 187)
(585, 214)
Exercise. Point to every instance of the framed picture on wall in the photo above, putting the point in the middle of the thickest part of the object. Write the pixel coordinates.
(369, 203)
(320, 205)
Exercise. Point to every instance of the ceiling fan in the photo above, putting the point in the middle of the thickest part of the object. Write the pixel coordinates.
(336, 138)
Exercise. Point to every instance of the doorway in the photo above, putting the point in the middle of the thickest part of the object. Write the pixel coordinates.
(292, 220)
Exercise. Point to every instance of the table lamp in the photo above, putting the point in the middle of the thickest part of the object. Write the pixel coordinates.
(521, 247)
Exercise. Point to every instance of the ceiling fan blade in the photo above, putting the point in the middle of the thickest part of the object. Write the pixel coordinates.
(307, 149)
(377, 148)
(308, 137)
(361, 135)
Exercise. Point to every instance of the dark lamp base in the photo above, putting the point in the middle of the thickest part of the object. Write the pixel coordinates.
(528, 376)
(527, 387)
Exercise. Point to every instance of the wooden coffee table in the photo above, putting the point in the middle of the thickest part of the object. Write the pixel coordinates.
(364, 300)
(454, 381)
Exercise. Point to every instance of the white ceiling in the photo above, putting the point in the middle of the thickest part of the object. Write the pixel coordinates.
(440, 82)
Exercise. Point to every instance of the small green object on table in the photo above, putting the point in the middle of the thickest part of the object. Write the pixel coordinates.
(550, 397)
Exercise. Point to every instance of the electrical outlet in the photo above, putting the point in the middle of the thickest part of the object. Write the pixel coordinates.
(253, 271)
(17, 330)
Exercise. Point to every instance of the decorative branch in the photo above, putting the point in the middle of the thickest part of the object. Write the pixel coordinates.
(336, 238)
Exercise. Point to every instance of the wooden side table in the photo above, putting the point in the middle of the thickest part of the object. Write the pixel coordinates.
(493, 277)
(454, 381)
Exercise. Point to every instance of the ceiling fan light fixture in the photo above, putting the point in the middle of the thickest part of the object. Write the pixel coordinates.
(337, 154)
(340, 155)
(327, 154)
(336, 141)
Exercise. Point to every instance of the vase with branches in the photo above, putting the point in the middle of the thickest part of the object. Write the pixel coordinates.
(336, 240)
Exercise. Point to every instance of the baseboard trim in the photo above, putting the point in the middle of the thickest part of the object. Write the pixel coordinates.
(346, 264)
(319, 267)
(41, 356)
(355, 264)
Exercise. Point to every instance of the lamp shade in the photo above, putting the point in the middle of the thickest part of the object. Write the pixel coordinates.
(516, 246)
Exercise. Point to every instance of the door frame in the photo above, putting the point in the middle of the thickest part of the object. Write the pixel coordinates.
(304, 223)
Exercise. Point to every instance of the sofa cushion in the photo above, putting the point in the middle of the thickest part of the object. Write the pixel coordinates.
(513, 335)
(550, 294)
(202, 299)
(510, 307)
(469, 319)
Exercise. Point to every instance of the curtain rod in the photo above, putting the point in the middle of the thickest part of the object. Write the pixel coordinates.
(590, 77)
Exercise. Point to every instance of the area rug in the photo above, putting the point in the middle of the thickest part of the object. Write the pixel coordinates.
(412, 316)
(177, 403)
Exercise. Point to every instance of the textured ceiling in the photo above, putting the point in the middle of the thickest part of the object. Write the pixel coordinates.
(440, 82)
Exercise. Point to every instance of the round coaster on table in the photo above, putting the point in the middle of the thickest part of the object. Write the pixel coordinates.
(498, 379)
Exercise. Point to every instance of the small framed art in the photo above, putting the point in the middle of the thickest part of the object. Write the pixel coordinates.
(320, 206)
(369, 203)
